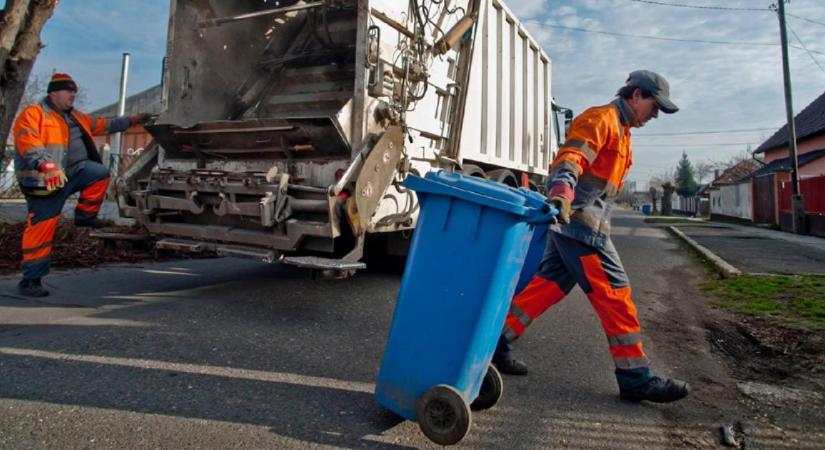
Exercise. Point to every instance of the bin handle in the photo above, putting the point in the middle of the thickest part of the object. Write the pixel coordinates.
(547, 214)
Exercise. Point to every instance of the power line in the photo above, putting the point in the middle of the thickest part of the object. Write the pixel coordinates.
(659, 38)
(804, 18)
(680, 5)
(804, 47)
(689, 133)
(712, 144)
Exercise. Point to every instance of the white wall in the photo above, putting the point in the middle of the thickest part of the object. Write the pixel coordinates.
(732, 200)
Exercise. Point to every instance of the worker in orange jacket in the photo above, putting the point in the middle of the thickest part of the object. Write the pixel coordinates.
(585, 176)
(55, 158)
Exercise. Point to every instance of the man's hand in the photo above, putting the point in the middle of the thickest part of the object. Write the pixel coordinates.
(53, 176)
(142, 118)
(563, 205)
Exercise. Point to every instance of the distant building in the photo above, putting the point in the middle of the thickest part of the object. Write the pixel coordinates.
(771, 184)
(810, 140)
(730, 192)
(136, 138)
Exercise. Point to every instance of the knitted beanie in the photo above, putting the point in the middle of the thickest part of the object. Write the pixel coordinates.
(61, 81)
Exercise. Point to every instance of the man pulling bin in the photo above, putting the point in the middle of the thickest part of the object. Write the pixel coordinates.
(585, 176)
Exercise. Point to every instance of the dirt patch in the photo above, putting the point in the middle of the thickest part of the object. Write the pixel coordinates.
(73, 248)
(777, 368)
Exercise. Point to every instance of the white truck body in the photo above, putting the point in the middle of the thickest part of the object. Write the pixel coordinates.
(287, 130)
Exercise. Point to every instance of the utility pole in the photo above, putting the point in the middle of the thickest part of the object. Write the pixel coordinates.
(797, 202)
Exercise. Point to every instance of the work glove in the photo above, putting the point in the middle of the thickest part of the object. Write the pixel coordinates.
(563, 205)
(53, 176)
(142, 118)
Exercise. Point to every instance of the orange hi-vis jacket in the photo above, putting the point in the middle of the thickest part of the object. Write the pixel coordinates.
(590, 169)
(42, 134)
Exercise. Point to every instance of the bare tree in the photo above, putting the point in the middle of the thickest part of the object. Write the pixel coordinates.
(20, 25)
(657, 180)
(704, 169)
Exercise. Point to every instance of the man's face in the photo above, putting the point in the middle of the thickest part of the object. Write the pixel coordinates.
(645, 108)
(63, 99)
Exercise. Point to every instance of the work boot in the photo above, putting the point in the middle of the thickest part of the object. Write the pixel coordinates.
(31, 288)
(656, 389)
(504, 361)
(90, 222)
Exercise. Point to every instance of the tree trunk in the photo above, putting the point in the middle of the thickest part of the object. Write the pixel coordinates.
(21, 23)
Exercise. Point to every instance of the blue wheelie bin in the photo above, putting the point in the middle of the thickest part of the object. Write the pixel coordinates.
(465, 258)
(533, 259)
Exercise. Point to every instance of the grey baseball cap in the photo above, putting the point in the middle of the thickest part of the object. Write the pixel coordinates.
(656, 84)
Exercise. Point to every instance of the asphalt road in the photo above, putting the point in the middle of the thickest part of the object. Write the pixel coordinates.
(229, 353)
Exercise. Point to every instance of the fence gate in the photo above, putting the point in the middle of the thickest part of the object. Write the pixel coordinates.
(764, 199)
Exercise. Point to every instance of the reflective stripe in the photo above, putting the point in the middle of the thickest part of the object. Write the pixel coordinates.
(585, 148)
(44, 259)
(521, 316)
(29, 173)
(27, 251)
(625, 339)
(25, 130)
(564, 164)
(599, 183)
(510, 334)
(592, 222)
(631, 363)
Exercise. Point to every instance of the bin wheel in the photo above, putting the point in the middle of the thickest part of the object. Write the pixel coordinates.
(492, 387)
(443, 415)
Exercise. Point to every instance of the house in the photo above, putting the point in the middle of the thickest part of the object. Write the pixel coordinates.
(772, 184)
(730, 192)
(136, 138)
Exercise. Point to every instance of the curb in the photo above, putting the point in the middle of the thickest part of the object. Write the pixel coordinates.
(725, 269)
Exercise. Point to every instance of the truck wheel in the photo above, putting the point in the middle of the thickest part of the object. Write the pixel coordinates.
(443, 415)
(503, 176)
(473, 171)
(492, 387)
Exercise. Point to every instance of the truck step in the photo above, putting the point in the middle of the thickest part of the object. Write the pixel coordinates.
(267, 256)
(317, 262)
(181, 245)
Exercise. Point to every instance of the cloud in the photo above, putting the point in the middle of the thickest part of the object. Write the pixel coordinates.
(87, 39)
(718, 87)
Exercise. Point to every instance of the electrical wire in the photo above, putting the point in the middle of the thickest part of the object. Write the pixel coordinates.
(711, 144)
(806, 48)
(804, 18)
(690, 133)
(681, 5)
(659, 38)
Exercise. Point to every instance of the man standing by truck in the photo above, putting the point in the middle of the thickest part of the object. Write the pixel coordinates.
(586, 175)
(55, 158)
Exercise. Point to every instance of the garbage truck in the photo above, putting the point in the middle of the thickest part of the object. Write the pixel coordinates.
(288, 127)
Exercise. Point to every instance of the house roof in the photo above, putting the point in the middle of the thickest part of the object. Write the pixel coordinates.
(737, 172)
(784, 164)
(809, 122)
(147, 101)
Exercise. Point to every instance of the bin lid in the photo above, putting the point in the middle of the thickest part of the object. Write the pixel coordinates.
(477, 190)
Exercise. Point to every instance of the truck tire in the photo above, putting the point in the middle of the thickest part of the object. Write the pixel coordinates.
(503, 176)
(473, 171)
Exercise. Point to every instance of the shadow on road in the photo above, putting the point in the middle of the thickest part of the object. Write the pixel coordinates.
(251, 344)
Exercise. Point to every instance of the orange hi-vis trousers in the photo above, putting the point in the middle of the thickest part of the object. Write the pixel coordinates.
(44, 212)
(601, 275)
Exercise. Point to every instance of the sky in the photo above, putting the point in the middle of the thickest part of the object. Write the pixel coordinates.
(728, 86)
